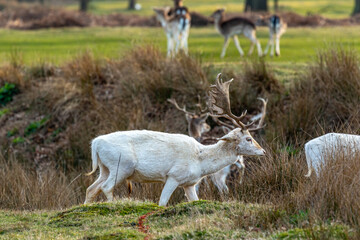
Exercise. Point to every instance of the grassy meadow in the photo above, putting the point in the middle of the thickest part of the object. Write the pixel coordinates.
(56, 46)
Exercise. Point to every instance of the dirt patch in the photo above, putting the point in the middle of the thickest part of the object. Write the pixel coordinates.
(27, 17)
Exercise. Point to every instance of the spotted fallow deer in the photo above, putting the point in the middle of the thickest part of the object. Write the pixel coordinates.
(174, 159)
(277, 27)
(176, 23)
(230, 28)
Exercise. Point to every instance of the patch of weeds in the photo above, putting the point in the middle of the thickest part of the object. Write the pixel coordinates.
(12, 229)
(41, 71)
(123, 234)
(7, 92)
(80, 214)
(34, 126)
(56, 132)
(334, 231)
(202, 234)
(18, 140)
(261, 218)
(4, 111)
(299, 218)
(12, 132)
(201, 206)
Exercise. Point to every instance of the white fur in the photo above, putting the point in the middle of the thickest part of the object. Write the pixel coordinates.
(318, 150)
(174, 159)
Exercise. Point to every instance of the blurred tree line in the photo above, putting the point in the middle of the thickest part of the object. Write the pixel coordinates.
(250, 5)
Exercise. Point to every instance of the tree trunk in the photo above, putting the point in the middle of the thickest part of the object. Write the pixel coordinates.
(84, 5)
(132, 4)
(256, 5)
(276, 5)
(249, 5)
(357, 7)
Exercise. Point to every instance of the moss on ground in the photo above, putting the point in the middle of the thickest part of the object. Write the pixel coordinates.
(79, 215)
(333, 231)
(190, 220)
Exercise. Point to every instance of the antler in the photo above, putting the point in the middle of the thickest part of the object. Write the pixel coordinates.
(173, 101)
(219, 103)
(263, 114)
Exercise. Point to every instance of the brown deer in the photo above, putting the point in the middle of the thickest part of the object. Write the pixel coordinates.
(197, 125)
(230, 28)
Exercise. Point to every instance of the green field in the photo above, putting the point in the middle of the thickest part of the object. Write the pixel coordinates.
(328, 8)
(298, 45)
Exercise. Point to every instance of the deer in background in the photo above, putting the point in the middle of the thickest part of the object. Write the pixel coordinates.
(176, 23)
(320, 149)
(197, 125)
(174, 159)
(230, 28)
(277, 27)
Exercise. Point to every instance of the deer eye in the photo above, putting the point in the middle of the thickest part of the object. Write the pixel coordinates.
(248, 139)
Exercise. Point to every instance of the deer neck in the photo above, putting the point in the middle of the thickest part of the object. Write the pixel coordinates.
(217, 156)
(218, 21)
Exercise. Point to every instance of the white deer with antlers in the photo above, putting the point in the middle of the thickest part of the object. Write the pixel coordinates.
(174, 159)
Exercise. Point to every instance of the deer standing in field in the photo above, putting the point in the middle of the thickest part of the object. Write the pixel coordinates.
(320, 149)
(176, 23)
(230, 28)
(174, 159)
(277, 27)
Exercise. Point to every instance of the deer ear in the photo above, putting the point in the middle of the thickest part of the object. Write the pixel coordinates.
(228, 138)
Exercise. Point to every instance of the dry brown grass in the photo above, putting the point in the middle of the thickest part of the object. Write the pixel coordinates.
(88, 97)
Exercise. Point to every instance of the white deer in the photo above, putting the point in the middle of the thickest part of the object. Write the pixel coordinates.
(320, 149)
(230, 28)
(174, 159)
(277, 27)
(176, 23)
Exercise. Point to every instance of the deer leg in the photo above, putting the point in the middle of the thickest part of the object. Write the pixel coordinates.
(94, 190)
(226, 44)
(190, 193)
(269, 44)
(252, 36)
(123, 170)
(219, 181)
(170, 186)
(170, 45)
(272, 47)
(237, 44)
(240, 164)
(277, 50)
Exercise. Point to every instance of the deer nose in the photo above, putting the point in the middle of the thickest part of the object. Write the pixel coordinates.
(264, 152)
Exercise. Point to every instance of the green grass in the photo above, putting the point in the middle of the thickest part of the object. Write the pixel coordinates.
(194, 220)
(328, 8)
(298, 45)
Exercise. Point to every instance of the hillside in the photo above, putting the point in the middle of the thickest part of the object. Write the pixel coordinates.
(128, 219)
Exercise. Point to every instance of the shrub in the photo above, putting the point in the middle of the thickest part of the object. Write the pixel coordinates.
(7, 93)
